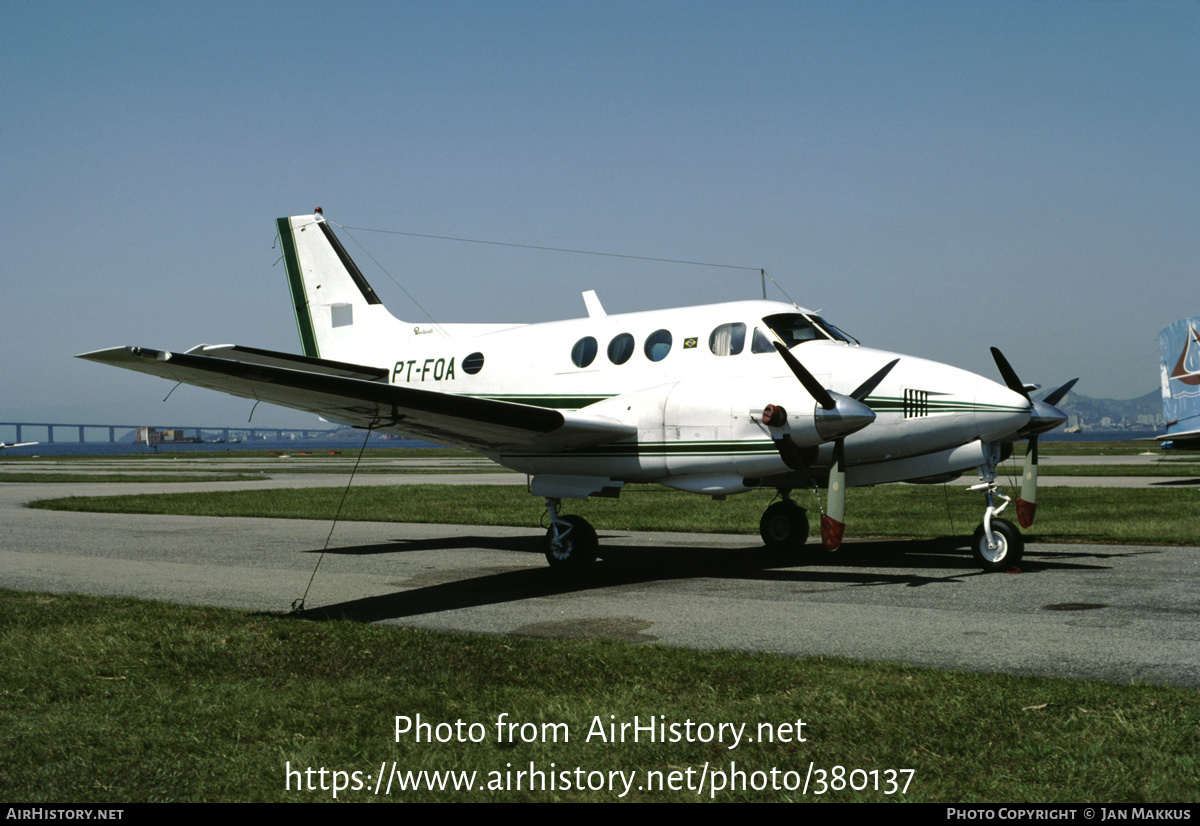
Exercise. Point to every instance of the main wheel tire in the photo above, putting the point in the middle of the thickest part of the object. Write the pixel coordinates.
(1010, 546)
(576, 549)
(784, 526)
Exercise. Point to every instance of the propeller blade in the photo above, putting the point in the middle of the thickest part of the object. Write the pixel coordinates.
(806, 378)
(870, 384)
(1054, 397)
(1009, 374)
(1027, 501)
(833, 521)
(1044, 416)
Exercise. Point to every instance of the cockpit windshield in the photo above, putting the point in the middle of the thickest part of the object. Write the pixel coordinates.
(795, 328)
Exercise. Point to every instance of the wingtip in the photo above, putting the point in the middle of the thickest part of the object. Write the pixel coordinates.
(100, 355)
(112, 355)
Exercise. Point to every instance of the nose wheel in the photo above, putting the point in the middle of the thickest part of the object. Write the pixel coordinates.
(1002, 551)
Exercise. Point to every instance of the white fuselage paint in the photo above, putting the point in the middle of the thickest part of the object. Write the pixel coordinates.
(699, 415)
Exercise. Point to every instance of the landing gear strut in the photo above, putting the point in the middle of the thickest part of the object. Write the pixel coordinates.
(571, 544)
(997, 544)
(784, 525)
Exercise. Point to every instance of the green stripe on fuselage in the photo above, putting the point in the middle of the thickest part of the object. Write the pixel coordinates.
(934, 405)
(697, 448)
(877, 404)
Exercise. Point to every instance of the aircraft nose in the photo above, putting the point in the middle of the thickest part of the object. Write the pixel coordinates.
(999, 412)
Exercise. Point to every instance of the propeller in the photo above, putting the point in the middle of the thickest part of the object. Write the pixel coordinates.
(1043, 417)
(806, 378)
(833, 523)
(837, 418)
(1056, 396)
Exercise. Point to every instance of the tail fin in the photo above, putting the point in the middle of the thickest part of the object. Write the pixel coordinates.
(1180, 348)
(338, 315)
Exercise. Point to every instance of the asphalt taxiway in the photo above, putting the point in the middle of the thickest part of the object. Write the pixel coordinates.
(1115, 613)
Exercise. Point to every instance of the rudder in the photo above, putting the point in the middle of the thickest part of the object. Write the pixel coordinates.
(338, 314)
(1180, 366)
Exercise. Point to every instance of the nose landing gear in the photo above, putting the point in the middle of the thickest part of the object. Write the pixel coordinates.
(997, 544)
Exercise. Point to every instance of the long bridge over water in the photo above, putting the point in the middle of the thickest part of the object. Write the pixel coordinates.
(45, 432)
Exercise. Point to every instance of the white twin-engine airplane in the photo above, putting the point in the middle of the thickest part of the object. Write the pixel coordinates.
(715, 400)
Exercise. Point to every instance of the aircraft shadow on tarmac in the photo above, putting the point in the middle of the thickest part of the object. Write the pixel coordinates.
(626, 565)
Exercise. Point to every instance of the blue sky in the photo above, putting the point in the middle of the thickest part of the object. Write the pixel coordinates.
(935, 177)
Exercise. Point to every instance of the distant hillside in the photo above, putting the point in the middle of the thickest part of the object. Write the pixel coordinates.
(1091, 411)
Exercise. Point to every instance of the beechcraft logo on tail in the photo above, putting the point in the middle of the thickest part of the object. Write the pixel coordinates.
(1179, 367)
(1187, 369)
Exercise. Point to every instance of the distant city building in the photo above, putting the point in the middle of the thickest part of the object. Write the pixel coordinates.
(154, 436)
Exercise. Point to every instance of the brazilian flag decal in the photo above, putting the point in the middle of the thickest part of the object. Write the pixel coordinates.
(689, 343)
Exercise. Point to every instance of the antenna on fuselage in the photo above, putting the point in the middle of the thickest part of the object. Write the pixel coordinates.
(765, 275)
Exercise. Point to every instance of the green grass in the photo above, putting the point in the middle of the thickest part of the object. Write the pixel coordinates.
(232, 476)
(1127, 448)
(396, 470)
(1163, 468)
(121, 701)
(1142, 516)
(216, 454)
(1103, 515)
(104, 478)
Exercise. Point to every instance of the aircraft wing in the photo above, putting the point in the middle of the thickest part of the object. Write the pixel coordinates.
(1184, 439)
(362, 396)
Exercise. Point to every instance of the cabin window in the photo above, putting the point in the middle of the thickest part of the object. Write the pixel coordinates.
(728, 339)
(761, 343)
(658, 344)
(620, 348)
(584, 351)
(473, 363)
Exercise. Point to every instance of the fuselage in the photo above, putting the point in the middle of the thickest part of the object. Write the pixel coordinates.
(695, 382)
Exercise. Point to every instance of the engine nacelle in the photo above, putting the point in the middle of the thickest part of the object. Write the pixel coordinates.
(811, 425)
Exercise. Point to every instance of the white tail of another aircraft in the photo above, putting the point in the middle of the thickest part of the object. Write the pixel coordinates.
(338, 315)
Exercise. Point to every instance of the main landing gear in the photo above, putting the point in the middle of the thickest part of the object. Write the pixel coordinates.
(571, 543)
(784, 525)
(997, 544)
